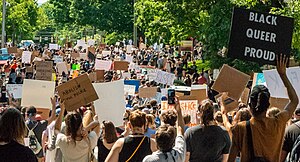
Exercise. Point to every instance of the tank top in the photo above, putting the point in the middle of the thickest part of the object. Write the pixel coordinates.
(129, 146)
(102, 151)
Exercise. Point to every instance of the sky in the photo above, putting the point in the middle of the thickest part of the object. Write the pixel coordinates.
(41, 1)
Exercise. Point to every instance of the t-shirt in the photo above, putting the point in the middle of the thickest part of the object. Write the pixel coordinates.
(291, 134)
(150, 132)
(177, 154)
(207, 143)
(267, 137)
(78, 152)
(16, 152)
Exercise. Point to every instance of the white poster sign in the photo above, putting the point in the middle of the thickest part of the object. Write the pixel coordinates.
(129, 90)
(81, 43)
(129, 58)
(26, 57)
(164, 77)
(58, 59)
(91, 42)
(276, 86)
(103, 65)
(110, 106)
(37, 93)
(15, 90)
(53, 46)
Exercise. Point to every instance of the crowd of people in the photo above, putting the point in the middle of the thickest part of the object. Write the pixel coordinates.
(252, 132)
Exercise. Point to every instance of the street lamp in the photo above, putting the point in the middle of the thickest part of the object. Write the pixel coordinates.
(3, 23)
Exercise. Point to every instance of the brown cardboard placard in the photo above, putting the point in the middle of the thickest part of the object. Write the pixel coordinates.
(200, 93)
(97, 76)
(230, 106)
(245, 96)
(44, 70)
(44, 113)
(19, 53)
(11, 50)
(77, 92)
(147, 92)
(75, 55)
(279, 102)
(232, 81)
(29, 69)
(35, 54)
(179, 94)
(120, 65)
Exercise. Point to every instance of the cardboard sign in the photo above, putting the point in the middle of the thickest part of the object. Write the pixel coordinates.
(136, 83)
(200, 93)
(276, 86)
(75, 55)
(44, 113)
(53, 46)
(186, 45)
(26, 57)
(92, 50)
(62, 67)
(103, 65)
(279, 102)
(129, 90)
(97, 76)
(147, 92)
(110, 106)
(189, 107)
(19, 53)
(15, 90)
(44, 70)
(258, 37)
(12, 50)
(120, 65)
(29, 69)
(164, 77)
(245, 96)
(230, 104)
(232, 81)
(77, 92)
(37, 93)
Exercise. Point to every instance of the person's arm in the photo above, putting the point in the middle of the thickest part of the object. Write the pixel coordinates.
(113, 155)
(153, 145)
(93, 126)
(281, 69)
(187, 157)
(225, 157)
(224, 112)
(234, 149)
(52, 117)
(59, 119)
(180, 122)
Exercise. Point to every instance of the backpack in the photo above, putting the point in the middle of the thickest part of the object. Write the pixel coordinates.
(34, 144)
(294, 155)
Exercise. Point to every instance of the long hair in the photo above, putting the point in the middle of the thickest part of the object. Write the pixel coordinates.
(12, 125)
(207, 110)
(110, 134)
(73, 123)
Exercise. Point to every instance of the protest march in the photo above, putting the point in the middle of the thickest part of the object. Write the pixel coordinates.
(88, 100)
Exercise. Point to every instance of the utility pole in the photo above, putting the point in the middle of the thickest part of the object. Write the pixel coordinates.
(134, 26)
(3, 23)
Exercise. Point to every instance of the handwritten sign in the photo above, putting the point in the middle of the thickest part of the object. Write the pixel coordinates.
(77, 92)
(189, 107)
(37, 93)
(12, 50)
(58, 59)
(15, 90)
(44, 70)
(120, 65)
(164, 77)
(103, 65)
(80, 43)
(91, 42)
(26, 57)
(53, 46)
(62, 67)
(258, 37)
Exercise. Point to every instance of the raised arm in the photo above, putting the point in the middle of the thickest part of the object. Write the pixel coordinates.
(291, 106)
(53, 103)
(180, 127)
(59, 119)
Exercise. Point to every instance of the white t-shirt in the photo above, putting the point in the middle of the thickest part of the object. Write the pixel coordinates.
(176, 155)
(78, 152)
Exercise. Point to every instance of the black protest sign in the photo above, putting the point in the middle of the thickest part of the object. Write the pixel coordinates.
(259, 37)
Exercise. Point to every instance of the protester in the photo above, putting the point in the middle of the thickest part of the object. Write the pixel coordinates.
(76, 144)
(207, 142)
(107, 140)
(12, 133)
(291, 135)
(267, 133)
(135, 146)
(169, 117)
(166, 138)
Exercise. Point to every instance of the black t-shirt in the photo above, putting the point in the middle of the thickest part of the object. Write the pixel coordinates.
(15, 152)
(102, 151)
(207, 143)
(291, 134)
(129, 146)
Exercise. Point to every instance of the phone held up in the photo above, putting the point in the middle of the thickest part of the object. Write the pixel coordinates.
(171, 96)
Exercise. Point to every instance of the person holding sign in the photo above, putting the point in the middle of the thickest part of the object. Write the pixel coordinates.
(261, 137)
